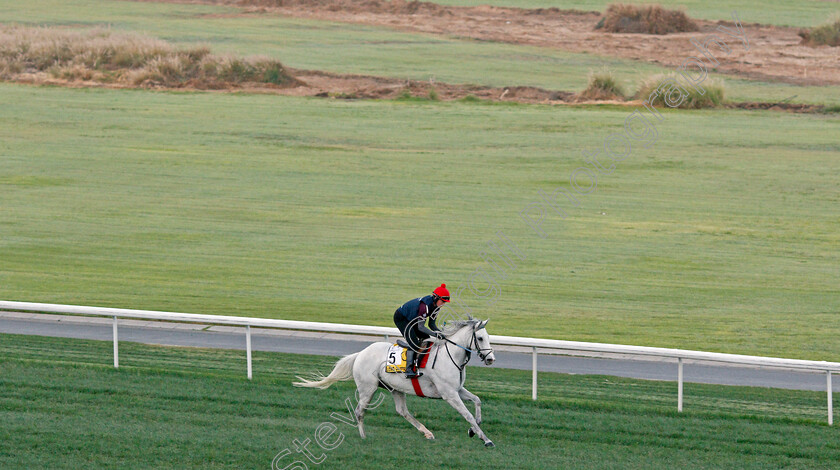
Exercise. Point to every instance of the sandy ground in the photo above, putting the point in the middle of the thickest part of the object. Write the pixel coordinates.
(320, 83)
(343, 86)
(774, 52)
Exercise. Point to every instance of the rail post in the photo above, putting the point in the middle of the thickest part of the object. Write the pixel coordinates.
(830, 402)
(248, 347)
(116, 346)
(534, 373)
(679, 384)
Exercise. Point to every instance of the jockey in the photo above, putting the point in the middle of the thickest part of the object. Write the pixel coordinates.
(411, 320)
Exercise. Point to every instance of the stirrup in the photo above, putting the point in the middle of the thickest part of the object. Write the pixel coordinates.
(412, 373)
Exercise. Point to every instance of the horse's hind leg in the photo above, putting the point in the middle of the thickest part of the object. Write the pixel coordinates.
(366, 392)
(402, 409)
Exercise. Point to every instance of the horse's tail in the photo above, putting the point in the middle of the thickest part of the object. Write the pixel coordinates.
(343, 370)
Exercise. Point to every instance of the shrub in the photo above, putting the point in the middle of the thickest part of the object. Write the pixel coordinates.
(274, 72)
(602, 86)
(105, 56)
(827, 34)
(647, 19)
(672, 93)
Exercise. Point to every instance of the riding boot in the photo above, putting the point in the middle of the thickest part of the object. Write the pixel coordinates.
(410, 364)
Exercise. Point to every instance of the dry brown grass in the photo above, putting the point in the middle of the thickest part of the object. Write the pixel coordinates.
(824, 35)
(645, 19)
(128, 59)
(676, 95)
(602, 86)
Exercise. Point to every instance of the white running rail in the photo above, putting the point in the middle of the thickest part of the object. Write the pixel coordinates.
(558, 346)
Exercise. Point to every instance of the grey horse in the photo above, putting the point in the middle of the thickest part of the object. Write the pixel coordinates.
(443, 376)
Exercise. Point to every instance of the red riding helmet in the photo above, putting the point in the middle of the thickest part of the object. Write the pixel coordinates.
(442, 293)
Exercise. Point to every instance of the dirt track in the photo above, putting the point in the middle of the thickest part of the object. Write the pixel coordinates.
(774, 54)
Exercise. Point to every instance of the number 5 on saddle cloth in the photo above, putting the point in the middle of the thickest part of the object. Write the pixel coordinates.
(395, 363)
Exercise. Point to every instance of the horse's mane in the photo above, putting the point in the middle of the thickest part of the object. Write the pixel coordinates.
(452, 327)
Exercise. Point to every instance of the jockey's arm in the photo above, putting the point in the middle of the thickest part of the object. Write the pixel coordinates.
(433, 322)
(421, 326)
(432, 316)
(422, 329)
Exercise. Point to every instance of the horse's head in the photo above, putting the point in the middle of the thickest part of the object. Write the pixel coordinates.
(472, 335)
(481, 342)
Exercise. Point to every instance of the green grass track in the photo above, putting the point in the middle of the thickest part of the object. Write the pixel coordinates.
(63, 405)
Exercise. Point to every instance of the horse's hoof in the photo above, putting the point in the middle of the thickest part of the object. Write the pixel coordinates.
(489, 444)
(471, 432)
(430, 437)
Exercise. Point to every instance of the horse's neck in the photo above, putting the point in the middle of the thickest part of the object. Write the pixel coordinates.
(461, 338)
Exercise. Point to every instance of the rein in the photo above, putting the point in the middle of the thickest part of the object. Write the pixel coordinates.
(468, 350)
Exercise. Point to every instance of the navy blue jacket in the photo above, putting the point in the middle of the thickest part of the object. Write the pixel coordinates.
(411, 310)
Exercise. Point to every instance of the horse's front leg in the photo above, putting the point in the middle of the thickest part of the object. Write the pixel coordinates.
(454, 400)
(467, 395)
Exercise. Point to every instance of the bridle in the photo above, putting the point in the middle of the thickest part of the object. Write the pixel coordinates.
(470, 350)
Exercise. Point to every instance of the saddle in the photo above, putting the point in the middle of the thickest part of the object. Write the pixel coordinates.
(396, 362)
(423, 345)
